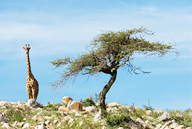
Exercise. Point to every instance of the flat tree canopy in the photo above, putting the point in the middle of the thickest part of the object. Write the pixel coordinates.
(107, 53)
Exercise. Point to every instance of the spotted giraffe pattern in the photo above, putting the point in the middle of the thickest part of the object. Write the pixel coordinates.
(32, 85)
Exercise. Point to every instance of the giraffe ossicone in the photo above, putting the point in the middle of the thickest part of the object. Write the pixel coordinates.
(31, 84)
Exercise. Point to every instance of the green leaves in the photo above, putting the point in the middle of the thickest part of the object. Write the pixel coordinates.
(110, 51)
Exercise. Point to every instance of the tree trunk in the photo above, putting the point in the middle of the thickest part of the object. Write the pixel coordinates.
(104, 92)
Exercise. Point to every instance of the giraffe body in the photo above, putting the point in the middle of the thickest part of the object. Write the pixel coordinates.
(32, 85)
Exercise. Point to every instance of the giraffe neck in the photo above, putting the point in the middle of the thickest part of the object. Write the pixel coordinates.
(29, 73)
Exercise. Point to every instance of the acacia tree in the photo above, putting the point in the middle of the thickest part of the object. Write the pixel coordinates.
(107, 53)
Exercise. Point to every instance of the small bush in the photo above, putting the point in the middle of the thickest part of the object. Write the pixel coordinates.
(117, 120)
(148, 108)
(52, 107)
(15, 115)
(88, 102)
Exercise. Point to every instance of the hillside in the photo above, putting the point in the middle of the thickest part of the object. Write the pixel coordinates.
(33, 115)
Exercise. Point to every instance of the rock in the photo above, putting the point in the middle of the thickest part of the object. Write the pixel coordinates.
(19, 106)
(38, 118)
(78, 115)
(59, 124)
(104, 127)
(148, 117)
(159, 111)
(97, 104)
(148, 112)
(71, 122)
(26, 126)
(120, 128)
(39, 109)
(165, 126)
(137, 108)
(48, 117)
(5, 103)
(180, 127)
(34, 104)
(81, 123)
(14, 124)
(133, 125)
(63, 109)
(66, 118)
(75, 105)
(55, 122)
(20, 103)
(7, 126)
(4, 118)
(165, 116)
(97, 118)
(158, 126)
(50, 127)
(112, 109)
(20, 124)
(47, 122)
(114, 104)
(143, 124)
(91, 109)
(173, 125)
(42, 126)
(66, 99)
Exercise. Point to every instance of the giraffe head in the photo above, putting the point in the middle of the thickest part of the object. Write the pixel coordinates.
(27, 48)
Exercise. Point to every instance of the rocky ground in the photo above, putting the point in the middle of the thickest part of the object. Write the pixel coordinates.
(33, 115)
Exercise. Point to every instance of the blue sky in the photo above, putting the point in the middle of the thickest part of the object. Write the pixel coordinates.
(60, 28)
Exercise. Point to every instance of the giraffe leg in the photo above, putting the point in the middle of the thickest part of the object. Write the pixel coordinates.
(29, 91)
(35, 91)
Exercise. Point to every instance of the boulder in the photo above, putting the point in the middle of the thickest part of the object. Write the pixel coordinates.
(148, 112)
(34, 104)
(78, 115)
(90, 109)
(180, 127)
(42, 126)
(114, 104)
(159, 111)
(133, 125)
(165, 116)
(66, 99)
(137, 108)
(47, 122)
(38, 118)
(7, 126)
(55, 122)
(63, 109)
(143, 124)
(158, 126)
(173, 125)
(66, 118)
(167, 124)
(20, 124)
(4, 118)
(26, 126)
(75, 105)
(97, 104)
(97, 118)
(5, 103)
(48, 117)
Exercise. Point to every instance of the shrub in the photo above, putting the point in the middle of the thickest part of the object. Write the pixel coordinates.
(88, 102)
(15, 115)
(117, 120)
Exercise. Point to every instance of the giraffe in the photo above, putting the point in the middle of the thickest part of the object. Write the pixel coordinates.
(31, 84)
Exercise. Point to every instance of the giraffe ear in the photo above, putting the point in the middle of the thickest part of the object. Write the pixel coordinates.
(23, 47)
